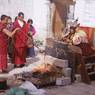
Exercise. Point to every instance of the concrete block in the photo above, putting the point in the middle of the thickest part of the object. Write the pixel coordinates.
(67, 72)
(59, 81)
(66, 81)
(56, 61)
(78, 78)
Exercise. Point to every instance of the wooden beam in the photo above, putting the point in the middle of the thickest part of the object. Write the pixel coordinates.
(63, 1)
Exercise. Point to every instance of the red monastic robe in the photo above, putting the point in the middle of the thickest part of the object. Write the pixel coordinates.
(87, 48)
(20, 42)
(3, 48)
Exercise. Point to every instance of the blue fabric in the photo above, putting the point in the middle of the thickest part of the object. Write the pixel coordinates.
(16, 91)
(31, 52)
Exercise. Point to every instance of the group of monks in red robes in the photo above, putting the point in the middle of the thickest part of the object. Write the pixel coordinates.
(19, 36)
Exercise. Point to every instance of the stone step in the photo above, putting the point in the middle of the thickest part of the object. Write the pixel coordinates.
(90, 64)
(91, 73)
(57, 62)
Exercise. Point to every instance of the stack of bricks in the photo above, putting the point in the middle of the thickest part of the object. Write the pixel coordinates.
(60, 50)
(66, 78)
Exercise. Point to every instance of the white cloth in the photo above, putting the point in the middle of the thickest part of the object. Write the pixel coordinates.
(32, 89)
(21, 23)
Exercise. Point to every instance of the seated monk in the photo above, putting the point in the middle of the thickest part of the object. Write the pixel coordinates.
(78, 37)
(69, 35)
(79, 45)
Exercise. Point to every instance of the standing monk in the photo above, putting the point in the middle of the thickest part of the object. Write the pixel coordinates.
(4, 33)
(20, 41)
(31, 33)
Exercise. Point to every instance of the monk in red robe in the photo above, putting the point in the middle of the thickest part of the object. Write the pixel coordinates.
(20, 41)
(4, 33)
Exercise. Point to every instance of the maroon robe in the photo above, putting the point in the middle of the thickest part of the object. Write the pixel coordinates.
(20, 40)
(3, 48)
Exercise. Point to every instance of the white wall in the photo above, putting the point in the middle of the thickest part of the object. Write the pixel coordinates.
(85, 11)
(38, 10)
(12, 7)
(41, 17)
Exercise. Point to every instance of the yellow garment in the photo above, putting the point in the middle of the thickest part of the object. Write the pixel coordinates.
(80, 37)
